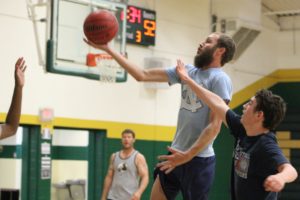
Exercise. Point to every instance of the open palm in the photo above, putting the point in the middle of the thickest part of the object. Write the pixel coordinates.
(20, 68)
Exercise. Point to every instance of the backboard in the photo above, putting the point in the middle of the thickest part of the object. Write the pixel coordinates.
(67, 53)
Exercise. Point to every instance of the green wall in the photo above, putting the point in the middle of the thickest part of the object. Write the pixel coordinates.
(290, 93)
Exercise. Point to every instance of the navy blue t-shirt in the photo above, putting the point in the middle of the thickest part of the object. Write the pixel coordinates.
(254, 159)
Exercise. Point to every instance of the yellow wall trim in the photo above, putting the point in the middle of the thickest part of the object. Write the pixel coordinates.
(282, 75)
(114, 129)
(283, 135)
(158, 132)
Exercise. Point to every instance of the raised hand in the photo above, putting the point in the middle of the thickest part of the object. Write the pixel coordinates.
(20, 68)
(181, 71)
(169, 162)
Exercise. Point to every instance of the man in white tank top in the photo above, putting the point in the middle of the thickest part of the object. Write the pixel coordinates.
(127, 175)
(11, 124)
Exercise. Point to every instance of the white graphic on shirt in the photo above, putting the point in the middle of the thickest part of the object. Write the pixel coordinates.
(122, 167)
(189, 99)
(241, 161)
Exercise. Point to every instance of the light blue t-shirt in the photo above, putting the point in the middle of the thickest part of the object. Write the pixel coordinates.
(193, 114)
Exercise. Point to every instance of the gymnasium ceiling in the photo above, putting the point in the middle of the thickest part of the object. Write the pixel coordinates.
(285, 13)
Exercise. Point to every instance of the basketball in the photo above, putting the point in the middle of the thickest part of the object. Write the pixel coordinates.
(100, 26)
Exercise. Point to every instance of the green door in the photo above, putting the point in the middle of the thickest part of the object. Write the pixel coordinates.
(33, 187)
(97, 163)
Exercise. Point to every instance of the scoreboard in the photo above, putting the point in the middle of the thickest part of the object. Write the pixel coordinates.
(141, 26)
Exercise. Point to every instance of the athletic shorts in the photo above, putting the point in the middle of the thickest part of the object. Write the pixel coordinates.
(194, 179)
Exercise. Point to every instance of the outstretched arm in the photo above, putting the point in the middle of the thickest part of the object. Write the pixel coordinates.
(158, 75)
(108, 179)
(13, 116)
(213, 101)
(176, 158)
(286, 174)
(144, 175)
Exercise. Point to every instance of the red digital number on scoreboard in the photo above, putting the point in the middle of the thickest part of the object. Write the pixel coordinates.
(141, 25)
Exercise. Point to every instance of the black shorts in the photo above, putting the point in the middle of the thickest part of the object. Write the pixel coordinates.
(194, 179)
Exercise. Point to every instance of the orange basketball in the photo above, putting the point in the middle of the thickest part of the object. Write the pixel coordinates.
(100, 26)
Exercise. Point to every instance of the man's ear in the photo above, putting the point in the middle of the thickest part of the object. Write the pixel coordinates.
(260, 114)
(221, 50)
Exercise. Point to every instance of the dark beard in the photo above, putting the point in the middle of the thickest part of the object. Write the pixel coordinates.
(205, 58)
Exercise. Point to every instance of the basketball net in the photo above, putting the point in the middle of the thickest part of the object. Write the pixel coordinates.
(108, 68)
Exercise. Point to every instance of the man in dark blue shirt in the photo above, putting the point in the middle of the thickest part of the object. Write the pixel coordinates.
(256, 157)
(259, 168)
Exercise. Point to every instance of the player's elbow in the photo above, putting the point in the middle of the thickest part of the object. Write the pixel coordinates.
(215, 129)
(12, 125)
(145, 76)
(140, 77)
(8, 130)
(13, 129)
(294, 174)
(146, 179)
(290, 170)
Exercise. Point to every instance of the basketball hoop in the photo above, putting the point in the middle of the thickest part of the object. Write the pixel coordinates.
(106, 66)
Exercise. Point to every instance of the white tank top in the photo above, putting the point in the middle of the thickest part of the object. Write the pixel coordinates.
(125, 180)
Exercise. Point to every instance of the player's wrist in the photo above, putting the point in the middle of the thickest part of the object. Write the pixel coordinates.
(18, 85)
(108, 50)
(138, 193)
(189, 154)
(282, 178)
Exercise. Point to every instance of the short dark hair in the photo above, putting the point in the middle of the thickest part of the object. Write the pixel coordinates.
(129, 131)
(226, 42)
(273, 107)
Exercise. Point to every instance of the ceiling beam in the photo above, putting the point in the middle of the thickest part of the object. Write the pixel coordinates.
(285, 12)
